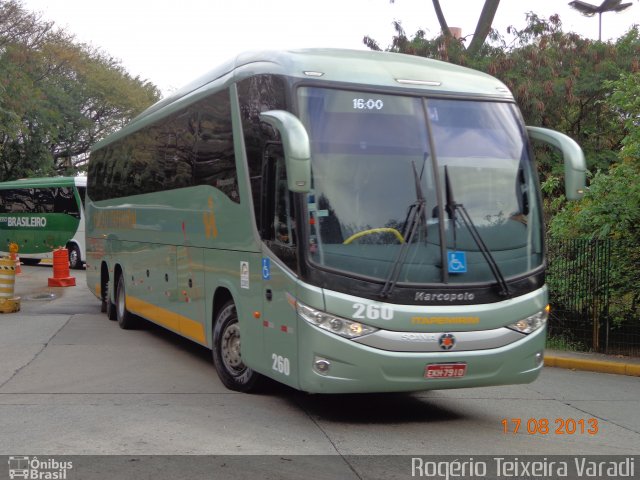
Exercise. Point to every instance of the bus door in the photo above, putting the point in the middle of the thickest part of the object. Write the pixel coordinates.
(278, 264)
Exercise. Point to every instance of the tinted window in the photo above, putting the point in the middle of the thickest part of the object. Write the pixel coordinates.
(259, 94)
(39, 200)
(82, 191)
(191, 147)
(215, 162)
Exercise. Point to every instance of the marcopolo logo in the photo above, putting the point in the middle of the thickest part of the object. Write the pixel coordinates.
(38, 469)
(444, 297)
(29, 222)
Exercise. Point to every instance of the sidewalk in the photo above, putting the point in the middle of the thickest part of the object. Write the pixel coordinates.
(593, 362)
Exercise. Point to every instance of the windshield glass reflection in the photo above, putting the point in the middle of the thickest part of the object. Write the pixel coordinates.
(369, 151)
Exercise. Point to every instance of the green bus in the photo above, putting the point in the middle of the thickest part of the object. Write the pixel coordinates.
(339, 221)
(40, 215)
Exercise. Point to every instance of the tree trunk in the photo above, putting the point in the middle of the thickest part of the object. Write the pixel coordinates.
(443, 22)
(483, 27)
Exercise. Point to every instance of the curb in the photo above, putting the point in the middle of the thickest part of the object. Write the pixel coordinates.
(599, 366)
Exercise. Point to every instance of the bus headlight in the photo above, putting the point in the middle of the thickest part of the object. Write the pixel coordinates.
(531, 323)
(340, 326)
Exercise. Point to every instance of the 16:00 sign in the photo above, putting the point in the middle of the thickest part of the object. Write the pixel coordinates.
(367, 104)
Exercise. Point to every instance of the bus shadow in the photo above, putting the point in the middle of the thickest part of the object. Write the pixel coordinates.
(369, 408)
(374, 408)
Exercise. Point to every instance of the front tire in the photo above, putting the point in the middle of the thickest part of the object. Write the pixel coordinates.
(126, 319)
(227, 357)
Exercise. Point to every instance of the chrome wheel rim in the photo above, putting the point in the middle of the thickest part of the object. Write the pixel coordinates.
(230, 350)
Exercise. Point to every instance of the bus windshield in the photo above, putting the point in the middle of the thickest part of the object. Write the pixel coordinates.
(378, 159)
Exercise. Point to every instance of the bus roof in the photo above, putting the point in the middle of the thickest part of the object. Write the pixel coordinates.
(45, 182)
(357, 67)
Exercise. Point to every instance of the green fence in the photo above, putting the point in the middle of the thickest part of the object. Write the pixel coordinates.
(583, 298)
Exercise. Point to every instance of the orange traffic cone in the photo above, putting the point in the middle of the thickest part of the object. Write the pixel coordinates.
(61, 277)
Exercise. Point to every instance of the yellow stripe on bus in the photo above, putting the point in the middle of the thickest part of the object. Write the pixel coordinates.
(176, 322)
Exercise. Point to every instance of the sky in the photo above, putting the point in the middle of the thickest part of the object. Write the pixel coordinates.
(171, 42)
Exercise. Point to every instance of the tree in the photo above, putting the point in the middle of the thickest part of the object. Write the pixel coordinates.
(57, 97)
(610, 208)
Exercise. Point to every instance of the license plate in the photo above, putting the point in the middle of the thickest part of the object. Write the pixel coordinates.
(445, 370)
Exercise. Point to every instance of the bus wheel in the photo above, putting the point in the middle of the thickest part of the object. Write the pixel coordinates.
(75, 261)
(126, 319)
(235, 375)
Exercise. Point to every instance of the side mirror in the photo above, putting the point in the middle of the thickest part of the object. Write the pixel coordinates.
(297, 151)
(575, 167)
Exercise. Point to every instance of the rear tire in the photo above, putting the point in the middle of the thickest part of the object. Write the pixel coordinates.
(126, 319)
(227, 357)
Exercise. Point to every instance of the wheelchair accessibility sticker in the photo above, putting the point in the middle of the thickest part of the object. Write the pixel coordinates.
(457, 262)
(266, 269)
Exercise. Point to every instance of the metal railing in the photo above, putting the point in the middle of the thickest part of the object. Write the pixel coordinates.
(582, 298)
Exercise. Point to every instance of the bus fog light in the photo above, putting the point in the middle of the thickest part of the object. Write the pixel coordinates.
(321, 365)
(539, 358)
(531, 323)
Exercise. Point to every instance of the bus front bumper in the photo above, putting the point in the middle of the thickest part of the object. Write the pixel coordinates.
(332, 364)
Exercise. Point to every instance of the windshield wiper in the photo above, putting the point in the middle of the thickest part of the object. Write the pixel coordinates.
(451, 208)
(415, 216)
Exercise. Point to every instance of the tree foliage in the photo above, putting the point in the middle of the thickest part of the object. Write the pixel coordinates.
(57, 96)
(611, 206)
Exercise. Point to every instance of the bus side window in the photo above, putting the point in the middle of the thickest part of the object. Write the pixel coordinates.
(258, 94)
(280, 234)
(62, 200)
(283, 220)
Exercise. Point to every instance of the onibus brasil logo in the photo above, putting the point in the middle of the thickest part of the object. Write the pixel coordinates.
(38, 469)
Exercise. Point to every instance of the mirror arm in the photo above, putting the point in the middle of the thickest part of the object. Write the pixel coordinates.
(297, 150)
(574, 163)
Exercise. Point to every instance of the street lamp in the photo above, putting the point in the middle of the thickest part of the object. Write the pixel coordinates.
(607, 6)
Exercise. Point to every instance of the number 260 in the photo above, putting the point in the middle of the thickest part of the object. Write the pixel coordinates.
(372, 312)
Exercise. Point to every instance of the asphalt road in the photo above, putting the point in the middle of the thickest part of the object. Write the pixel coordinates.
(73, 383)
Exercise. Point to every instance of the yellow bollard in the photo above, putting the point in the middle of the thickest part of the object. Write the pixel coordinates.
(8, 302)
